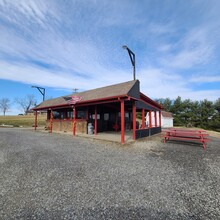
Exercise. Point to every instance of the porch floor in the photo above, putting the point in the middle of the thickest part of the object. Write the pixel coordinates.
(110, 136)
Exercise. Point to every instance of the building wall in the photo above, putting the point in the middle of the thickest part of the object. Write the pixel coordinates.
(67, 126)
(167, 122)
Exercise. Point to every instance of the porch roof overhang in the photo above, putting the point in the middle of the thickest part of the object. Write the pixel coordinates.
(128, 91)
(87, 103)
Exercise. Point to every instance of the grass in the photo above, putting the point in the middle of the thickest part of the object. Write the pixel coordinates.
(22, 120)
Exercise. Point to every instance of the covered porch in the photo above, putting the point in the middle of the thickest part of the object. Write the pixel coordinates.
(108, 116)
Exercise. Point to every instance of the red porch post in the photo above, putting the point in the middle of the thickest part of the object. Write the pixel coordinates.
(122, 122)
(35, 123)
(87, 114)
(155, 118)
(150, 119)
(51, 121)
(143, 119)
(134, 120)
(74, 120)
(160, 122)
(95, 127)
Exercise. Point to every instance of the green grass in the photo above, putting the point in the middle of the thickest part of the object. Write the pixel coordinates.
(22, 120)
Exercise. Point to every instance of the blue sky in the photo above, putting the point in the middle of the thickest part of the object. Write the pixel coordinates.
(61, 45)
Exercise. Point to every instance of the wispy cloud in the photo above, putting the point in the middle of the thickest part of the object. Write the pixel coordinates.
(78, 44)
(159, 29)
(193, 49)
(208, 78)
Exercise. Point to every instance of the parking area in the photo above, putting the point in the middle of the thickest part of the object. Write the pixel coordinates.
(57, 176)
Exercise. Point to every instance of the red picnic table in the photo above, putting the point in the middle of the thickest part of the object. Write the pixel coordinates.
(187, 135)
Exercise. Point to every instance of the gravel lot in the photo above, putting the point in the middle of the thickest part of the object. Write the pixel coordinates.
(56, 176)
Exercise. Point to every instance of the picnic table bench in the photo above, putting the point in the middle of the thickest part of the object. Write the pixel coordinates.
(187, 135)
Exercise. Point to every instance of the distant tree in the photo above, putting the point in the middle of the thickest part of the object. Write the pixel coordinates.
(26, 103)
(4, 105)
(207, 111)
(217, 105)
(166, 103)
(177, 110)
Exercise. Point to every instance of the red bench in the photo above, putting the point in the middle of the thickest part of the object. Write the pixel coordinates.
(186, 135)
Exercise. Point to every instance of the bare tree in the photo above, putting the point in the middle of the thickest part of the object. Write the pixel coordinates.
(26, 103)
(4, 105)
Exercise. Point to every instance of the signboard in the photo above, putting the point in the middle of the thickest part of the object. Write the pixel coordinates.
(74, 99)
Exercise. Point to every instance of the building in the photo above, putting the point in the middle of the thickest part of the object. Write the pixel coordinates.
(166, 119)
(110, 108)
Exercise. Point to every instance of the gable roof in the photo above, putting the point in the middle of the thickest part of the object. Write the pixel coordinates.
(130, 88)
(166, 114)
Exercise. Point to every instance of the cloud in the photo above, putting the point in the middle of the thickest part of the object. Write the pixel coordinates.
(31, 11)
(159, 29)
(157, 83)
(78, 45)
(205, 78)
(193, 49)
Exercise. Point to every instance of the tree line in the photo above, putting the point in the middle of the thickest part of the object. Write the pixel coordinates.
(25, 104)
(203, 114)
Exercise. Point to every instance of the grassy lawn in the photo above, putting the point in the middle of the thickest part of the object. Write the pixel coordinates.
(22, 120)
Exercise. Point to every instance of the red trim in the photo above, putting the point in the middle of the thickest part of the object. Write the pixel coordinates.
(74, 120)
(150, 101)
(89, 102)
(160, 122)
(155, 118)
(95, 128)
(150, 119)
(143, 119)
(87, 114)
(134, 120)
(153, 106)
(51, 120)
(122, 122)
(35, 123)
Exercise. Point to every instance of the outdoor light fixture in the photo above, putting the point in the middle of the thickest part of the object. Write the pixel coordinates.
(41, 90)
(132, 57)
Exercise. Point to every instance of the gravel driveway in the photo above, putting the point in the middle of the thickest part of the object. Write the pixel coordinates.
(55, 176)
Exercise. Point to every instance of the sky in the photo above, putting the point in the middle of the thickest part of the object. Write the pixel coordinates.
(66, 44)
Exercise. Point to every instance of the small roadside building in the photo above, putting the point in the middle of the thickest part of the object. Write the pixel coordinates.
(111, 108)
(167, 119)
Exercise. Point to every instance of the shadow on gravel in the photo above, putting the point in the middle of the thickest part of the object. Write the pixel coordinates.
(102, 213)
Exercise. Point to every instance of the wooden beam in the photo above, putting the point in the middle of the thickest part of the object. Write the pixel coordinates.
(74, 120)
(35, 123)
(134, 120)
(51, 121)
(143, 119)
(95, 127)
(155, 118)
(122, 122)
(150, 119)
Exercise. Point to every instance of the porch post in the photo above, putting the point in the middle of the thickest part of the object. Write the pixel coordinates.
(87, 114)
(35, 123)
(74, 120)
(95, 128)
(143, 119)
(160, 122)
(51, 120)
(122, 122)
(150, 119)
(134, 120)
(155, 118)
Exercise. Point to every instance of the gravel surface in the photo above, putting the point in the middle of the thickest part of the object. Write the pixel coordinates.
(55, 176)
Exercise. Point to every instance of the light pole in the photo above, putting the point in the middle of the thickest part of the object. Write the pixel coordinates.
(41, 90)
(132, 57)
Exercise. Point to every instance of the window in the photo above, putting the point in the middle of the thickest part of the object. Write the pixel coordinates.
(106, 116)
